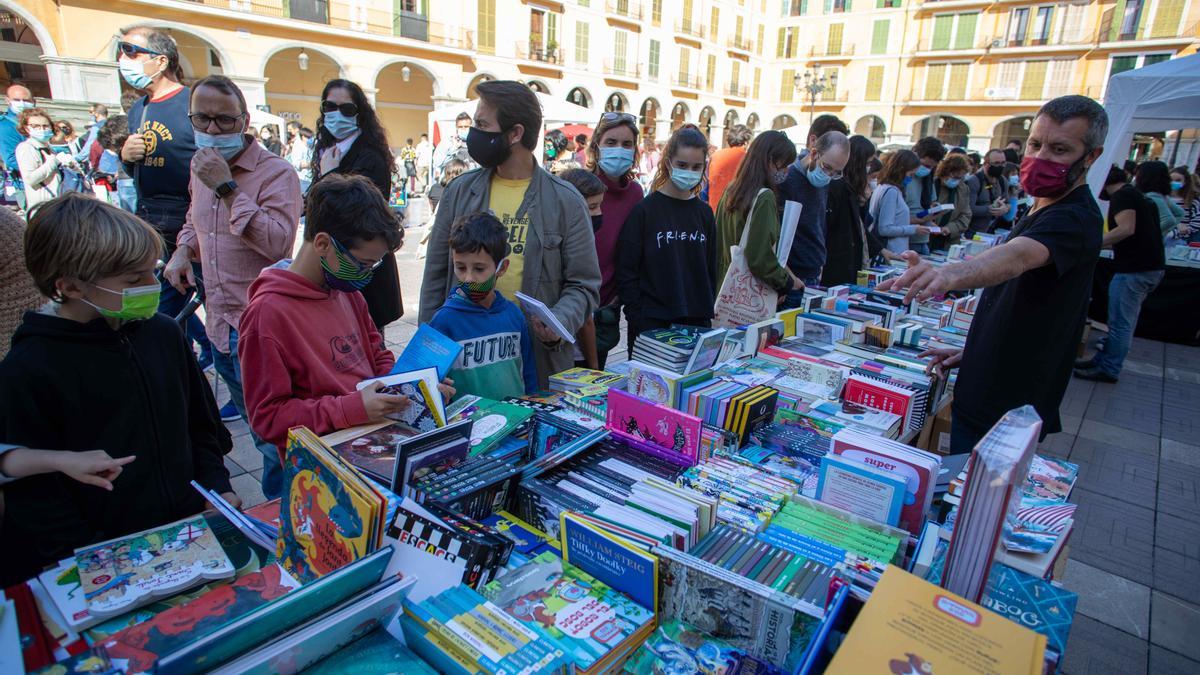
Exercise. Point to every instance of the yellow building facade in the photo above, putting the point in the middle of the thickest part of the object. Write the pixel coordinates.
(971, 72)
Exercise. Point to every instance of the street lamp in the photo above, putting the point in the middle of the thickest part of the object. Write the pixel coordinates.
(813, 83)
(302, 60)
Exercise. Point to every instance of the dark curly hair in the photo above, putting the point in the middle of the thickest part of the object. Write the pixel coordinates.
(373, 135)
(351, 210)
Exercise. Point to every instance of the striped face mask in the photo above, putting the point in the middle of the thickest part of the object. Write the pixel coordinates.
(351, 273)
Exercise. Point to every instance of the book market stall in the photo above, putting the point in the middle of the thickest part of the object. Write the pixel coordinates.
(771, 498)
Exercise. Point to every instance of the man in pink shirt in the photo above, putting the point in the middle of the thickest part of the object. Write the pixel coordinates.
(245, 208)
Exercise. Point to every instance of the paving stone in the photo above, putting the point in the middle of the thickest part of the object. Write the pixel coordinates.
(1182, 375)
(232, 467)
(1179, 490)
(1177, 574)
(1175, 624)
(248, 487)
(1070, 423)
(1109, 598)
(1057, 445)
(1182, 356)
(1167, 662)
(1142, 349)
(1076, 398)
(1114, 471)
(1179, 453)
(1179, 421)
(1112, 535)
(1094, 648)
(1181, 535)
(1133, 441)
(1141, 368)
(237, 427)
(245, 453)
(1133, 403)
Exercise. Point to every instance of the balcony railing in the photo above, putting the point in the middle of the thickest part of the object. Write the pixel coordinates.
(831, 51)
(626, 9)
(927, 45)
(742, 44)
(622, 68)
(1065, 39)
(735, 91)
(375, 19)
(540, 52)
(687, 81)
(690, 28)
(992, 93)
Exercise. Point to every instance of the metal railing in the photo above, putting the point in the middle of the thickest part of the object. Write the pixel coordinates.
(688, 27)
(822, 51)
(737, 92)
(622, 68)
(686, 81)
(628, 9)
(740, 43)
(540, 52)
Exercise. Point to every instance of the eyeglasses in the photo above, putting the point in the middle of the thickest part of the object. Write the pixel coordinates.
(131, 50)
(618, 117)
(225, 123)
(362, 266)
(828, 170)
(347, 109)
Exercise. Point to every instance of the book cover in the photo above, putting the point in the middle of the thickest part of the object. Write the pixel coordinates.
(918, 468)
(665, 427)
(378, 652)
(439, 556)
(653, 384)
(427, 410)
(121, 574)
(879, 395)
(492, 421)
(428, 348)
(536, 309)
(618, 564)
(707, 349)
(1032, 602)
(910, 625)
(862, 489)
(583, 377)
(676, 647)
(375, 452)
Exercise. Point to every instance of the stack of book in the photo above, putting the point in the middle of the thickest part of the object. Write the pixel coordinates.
(748, 495)
(748, 555)
(834, 536)
(578, 378)
(918, 468)
(661, 385)
(475, 488)
(679, 349)
(675, 641)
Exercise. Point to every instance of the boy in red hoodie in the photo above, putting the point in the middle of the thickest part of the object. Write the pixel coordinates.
(306, 336)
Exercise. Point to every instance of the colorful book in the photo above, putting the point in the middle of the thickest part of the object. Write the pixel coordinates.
(374, 453)
(676, 647)
(879, 395)
(426, 410)
(124, 573)
(672, 430)
(918, 468)
(862, 489)
(428, 348)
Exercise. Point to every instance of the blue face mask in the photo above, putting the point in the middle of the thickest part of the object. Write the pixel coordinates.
(340, 126)
(134, 74)
(227, 144)
(615, 161)
(952, 183)
(779, 177)
(42, 135)
(923, 171)
(1177, 185)
(908, 181)
(817, 178)
(1014, 180)
(685, 180)
(18, 106)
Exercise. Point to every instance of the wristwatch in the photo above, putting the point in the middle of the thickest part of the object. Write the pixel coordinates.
(225, 188)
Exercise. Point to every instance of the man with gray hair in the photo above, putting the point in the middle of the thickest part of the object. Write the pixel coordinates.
(1036, 284)
(807, 182)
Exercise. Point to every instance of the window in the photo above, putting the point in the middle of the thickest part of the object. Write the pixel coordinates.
(656, 12)
(830, 91)
(943, 30)
(887, 4)
(954, 31)
(757, 81)
(789, 39)
(1120, 64)
(584, 3)
(735, 76)
(685, 55)
(787, 85)
(1041, 26)
(956, 85)
(581, 43)
(1059, 83)
(964, 33)
(761, 35)
(710, 80)
(874, 83)
(833, 44)
(879, 36)
(1018, 26)
(795, 7)
(738, 25)
(1130, 18)
(1034, 81)
(935, 81)
(714, 22)
(654, 54)
(1073, 28)
(835, 6)
(485, 25)
(1166, 19)
(620, 47)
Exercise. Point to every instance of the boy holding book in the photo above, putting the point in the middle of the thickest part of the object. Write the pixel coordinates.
(98, 368)
(497, 357)
(307, 338)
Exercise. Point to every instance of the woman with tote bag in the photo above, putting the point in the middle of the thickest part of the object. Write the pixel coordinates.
(748, 231)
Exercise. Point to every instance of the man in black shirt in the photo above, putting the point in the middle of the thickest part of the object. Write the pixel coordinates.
(158, 153)
(1138, 257)
(1030, 316)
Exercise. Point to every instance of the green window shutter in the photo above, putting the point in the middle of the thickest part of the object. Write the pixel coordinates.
(581, 43)
(943, 26)
(787, 85)
(879, 36)
(935, 79)
(874, 83)
(1034, 82)
(956, 89)
(654, 54)
(834, 43)
(1118, 12)
(779, 45)
(1166, 19)
(965, 37)
(828, 6)
(757, 81)
(803, 7)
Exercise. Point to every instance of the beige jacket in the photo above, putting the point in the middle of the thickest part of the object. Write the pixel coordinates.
(39, 171)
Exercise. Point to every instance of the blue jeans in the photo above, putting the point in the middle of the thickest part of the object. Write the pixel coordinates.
(127, 194)
(1126, 292)
(230, 370)
(795, 299)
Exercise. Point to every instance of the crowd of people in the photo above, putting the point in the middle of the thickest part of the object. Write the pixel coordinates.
(107, 355)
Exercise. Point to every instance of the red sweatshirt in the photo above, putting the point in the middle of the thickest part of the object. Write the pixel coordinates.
(303, 349)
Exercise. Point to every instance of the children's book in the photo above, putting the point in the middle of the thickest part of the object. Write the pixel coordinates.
(428, 348)
(677, 647)
(434, 452)
(377, 652)
(121, 574)
(536, 309)
(374, 453)
(492, 421)
(918, 468)
(862, 489)
(676, 432)
(426, 410)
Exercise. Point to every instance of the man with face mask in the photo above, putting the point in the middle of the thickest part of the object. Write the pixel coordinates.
(18, 98)
(1023, 338)
(454, 147)
(553, 249)
(158, 152)
(807, 183)
(986, 189)
(245, 206)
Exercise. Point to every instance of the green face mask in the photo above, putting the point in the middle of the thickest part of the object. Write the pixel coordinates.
(137, 303)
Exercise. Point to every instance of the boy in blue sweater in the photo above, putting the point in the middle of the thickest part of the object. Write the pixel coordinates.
(497, 357)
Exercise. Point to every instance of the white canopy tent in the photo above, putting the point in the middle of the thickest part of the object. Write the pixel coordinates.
(1161, 97)
(555, 113)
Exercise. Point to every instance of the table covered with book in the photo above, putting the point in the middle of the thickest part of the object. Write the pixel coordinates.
(730, 500)
(1168, 314)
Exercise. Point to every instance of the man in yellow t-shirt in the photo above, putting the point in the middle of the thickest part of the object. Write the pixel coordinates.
(505, 201)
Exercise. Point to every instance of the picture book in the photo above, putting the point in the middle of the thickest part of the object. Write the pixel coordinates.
(653, 383)
(428, 348)
(918, 468)
(426, 410)
(428, 548)
(374, 453)
(434, 451)
(1032, 602)
(621, 565)
(536, 309)
(377, 652)
(492, 421)
(1050, 478)
(330, 515)
(879, 395)
(121, 574)
(676, 647)
(863, 489)
(669, 429)
(576, 378)
(910, 625)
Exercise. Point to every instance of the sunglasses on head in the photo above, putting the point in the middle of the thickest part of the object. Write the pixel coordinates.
(618, 117)
(347, 109)
(131, 50)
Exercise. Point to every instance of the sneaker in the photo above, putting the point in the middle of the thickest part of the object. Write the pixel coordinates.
(206, 361)
(229, 412)
(1095, 375)
(1085, 364)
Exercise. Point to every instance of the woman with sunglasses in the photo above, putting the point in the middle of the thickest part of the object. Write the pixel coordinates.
(667, 265)
(612, 154)
(65, 139)
(352, 141)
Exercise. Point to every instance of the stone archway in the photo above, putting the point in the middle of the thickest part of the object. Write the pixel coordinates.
(403, 100)
(295, 78)
(947, 128)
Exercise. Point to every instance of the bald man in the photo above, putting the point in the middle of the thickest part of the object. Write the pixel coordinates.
(17, 98)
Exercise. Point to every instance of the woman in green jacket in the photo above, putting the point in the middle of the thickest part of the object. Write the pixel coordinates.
(745, 204)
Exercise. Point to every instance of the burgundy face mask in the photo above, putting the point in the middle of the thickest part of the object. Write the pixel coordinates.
(1044, 178)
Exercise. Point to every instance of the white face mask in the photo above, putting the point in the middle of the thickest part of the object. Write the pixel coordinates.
(873, 183)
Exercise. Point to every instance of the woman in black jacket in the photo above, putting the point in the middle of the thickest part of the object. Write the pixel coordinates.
(844, 231)
(350, 140)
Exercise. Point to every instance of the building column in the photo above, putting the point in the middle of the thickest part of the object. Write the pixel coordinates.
(253, 88)
(440, 102)
(370, 92)
(87, 80)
